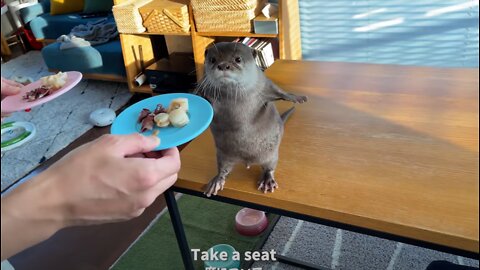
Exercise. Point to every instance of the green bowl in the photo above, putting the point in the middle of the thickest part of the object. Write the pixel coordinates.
(229, 263)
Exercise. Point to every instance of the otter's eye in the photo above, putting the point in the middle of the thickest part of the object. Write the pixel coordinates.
(238, 59)
(213, 60)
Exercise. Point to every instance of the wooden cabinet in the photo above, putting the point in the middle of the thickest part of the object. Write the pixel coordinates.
(288, 42)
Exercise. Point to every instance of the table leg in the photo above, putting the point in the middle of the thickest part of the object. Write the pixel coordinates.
(178, 228)
(5, 49)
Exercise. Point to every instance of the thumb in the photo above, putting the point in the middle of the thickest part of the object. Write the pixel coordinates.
(12, 83)
(8, 90)
(132, 144)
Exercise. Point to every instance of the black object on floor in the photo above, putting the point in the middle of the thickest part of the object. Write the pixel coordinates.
(173, 74)
(445, 265)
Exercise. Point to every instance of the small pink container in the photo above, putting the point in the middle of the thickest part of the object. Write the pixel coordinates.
(250, 222)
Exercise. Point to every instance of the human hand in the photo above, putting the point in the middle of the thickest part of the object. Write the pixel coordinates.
(9, 88)
(98, 182)
(101, 182)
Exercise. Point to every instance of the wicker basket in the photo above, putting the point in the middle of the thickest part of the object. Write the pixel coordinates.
(225, 15)
(223, 5)
(166, 16)
(127, 16)
(224, 21)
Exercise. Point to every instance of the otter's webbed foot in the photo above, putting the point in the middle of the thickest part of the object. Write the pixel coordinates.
(217, 183)
(267, 183)
(214, 186)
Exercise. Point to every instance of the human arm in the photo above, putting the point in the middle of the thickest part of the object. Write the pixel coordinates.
(99, 182)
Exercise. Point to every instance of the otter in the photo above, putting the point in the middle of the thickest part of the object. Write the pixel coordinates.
(246, 126)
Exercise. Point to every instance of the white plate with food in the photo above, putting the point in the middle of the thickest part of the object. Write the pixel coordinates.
(175, 118)
(41, 91)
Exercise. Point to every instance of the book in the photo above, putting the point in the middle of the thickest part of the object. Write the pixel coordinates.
(265, 53)
(251, 41)
(268, 54)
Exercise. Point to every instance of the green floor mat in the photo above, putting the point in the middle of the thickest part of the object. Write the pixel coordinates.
(206, 223)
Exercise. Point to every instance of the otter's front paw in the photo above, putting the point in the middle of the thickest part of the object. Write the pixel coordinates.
(267, 184)
(295, 99)
(215, 185)
(300, 99)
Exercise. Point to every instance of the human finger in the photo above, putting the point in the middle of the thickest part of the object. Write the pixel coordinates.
(165, 162)
(12, 83)
(144, 173)
(145, 198)
(159, 154)
(128, 145)
(9, 90)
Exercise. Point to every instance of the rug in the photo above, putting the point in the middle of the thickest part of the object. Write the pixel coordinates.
(337, 249)
(58, 122)
(206, 224)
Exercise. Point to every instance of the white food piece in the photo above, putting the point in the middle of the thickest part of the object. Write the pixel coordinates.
(178, 103)
(56, 81)
(178, 118)
(162, 120)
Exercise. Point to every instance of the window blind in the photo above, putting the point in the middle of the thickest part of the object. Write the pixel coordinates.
(441, 33)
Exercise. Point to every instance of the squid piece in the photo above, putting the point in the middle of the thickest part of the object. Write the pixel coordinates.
(178, 118)
(178, 103)
(162, 120)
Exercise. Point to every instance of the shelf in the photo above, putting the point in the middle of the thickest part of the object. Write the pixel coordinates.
(235, 34)
(142, 89)
(287, 47)
(161, 34)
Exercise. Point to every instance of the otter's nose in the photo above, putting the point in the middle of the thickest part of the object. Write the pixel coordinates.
(223, 66)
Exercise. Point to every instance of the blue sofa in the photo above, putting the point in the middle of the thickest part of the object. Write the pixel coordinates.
(104, 61)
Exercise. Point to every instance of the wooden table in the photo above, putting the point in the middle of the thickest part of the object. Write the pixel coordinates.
(387, 150)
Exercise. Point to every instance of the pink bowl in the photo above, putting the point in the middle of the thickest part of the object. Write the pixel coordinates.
(250, 222)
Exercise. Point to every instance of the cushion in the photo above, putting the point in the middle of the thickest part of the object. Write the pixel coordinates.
(93, 6)
(31, 12)
(47, 26)
(101, 59)
(65, 6)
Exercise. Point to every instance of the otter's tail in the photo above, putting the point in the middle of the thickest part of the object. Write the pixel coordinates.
(287, 114)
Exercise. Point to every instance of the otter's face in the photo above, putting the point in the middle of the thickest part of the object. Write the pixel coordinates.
(230, 63)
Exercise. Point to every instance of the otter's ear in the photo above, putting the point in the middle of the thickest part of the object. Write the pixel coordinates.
(209, 46)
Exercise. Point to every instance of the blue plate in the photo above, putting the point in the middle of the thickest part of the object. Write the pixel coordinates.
(200, 113)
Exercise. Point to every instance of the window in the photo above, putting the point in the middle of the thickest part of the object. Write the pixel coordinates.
(441, 33)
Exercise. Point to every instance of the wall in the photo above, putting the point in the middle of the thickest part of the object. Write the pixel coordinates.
(179, 43)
